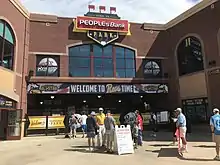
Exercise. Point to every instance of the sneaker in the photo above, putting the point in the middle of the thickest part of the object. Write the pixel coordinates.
(217, 158)
(184, 150)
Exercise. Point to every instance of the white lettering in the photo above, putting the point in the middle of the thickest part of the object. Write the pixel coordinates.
(81, 22)
(101, 23)
(83, 88)
(42, 69)
(127, 88)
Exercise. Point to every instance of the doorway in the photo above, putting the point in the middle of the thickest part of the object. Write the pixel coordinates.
(10, 124)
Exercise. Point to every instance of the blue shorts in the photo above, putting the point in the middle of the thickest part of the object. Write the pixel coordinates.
(84, 127)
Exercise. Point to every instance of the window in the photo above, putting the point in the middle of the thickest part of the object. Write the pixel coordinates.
(47, 66)
(152, 68)
(7, 45)
(103, 61)
(125, 63)
(190, 57)
(79, 61)
(97, 61)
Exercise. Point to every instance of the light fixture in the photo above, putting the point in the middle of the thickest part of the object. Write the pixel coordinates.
(119, 101)
(41, 102)
(52, 97)
(99, 96)
(141, 96)
(84, 101)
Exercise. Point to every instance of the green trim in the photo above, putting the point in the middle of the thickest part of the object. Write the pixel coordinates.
(8, 35)
(1, 28)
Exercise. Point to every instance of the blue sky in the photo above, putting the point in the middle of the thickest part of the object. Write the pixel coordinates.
(149, 11)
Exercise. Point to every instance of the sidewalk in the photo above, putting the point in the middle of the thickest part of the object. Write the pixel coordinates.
(56, 150)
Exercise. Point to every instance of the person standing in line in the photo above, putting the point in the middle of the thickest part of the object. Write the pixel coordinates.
(83, 123)
(91, 128)
(101, 132)
(153, 123)
(130, 119)
(140, 128)
(72, 125)
(215, 128)
(181, 125)
(109, 123)
(66, 124)
(135, 132)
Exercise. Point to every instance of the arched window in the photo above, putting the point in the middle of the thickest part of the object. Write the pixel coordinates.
(189, 55)
(92, 60)
(7, 45)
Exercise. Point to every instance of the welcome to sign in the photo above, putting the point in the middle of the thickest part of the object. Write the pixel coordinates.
(49, 88)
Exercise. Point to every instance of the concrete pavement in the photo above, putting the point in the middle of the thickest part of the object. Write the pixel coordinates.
(56, 150)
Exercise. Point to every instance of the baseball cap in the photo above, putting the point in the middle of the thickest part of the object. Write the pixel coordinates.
(93, 113)
(108, 111)
(101, 109)
(178, 110)
(215, 110)
(136, 111)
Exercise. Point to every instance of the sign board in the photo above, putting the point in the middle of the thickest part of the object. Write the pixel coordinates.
(47, 66)
(102, 38)
(39, 122)
(101, 24)
(55, 122)
(102, 28)
(164, 116)
(52, 88)
(123, 140)
(6, 102)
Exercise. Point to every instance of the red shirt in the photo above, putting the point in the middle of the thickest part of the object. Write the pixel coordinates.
(140, 120)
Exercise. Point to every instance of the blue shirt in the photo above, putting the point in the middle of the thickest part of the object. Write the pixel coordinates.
(181, 120)
(215, 122)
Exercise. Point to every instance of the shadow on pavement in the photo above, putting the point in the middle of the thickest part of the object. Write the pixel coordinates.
(165, 152)
(204, 146)
(172, 152)
(160, 145)
(63, 137)
(84, 150)
(196, 159)
(168, 136)
(80, 147)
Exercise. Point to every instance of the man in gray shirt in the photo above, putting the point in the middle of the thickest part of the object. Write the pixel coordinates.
(109, 123)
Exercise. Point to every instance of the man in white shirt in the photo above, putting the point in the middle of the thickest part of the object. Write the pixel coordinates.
(83, 123)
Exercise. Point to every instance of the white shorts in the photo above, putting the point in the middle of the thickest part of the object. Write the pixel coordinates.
(182, 132)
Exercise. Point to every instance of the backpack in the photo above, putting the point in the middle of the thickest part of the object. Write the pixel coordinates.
(72, 120)
(130, 118)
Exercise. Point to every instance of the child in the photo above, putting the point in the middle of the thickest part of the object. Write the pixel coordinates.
(135, 134)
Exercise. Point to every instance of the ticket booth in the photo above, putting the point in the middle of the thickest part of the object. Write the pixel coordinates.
(10, 120)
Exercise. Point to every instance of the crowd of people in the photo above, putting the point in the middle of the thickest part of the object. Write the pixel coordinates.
(102, 127)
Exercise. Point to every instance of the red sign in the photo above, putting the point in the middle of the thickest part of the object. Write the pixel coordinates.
(102, 24)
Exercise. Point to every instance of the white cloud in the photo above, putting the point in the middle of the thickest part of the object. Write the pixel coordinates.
(150, 11)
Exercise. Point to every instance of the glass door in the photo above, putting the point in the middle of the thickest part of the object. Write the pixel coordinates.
(2, 125)
(14, 124)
